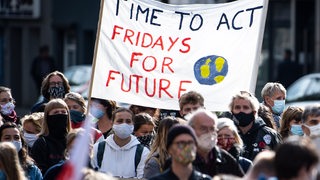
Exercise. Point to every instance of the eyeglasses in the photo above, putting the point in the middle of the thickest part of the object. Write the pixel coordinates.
(55, 84)
(206, 129)
(182, 144)
(6, 100)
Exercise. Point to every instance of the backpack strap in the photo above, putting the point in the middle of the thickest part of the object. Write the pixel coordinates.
(100, 152)
(137, 157)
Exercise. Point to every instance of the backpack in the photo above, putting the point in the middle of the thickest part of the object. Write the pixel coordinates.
(137, 158)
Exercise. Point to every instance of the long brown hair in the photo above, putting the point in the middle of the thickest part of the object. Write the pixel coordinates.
(9, 162)
(45, 84)
(159, 144)
(291, 113)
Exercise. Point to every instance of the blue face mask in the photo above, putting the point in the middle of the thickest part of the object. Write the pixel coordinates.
(96, 112)
(296, 129)
(278, 106)
(77, 116)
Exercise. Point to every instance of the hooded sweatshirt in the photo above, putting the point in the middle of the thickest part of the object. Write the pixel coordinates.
(120, 161)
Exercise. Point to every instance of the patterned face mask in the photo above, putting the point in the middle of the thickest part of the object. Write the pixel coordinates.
(145, 140)
(226, 143)
(185, 154)
(7, 109)
(57, 92)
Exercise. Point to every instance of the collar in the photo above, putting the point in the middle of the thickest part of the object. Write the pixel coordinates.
(215, 153)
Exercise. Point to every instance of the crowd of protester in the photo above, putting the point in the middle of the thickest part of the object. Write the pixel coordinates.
(252, 140)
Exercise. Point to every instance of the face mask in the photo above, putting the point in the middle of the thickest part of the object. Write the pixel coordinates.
(145, 140)
(278, 106)
(314, 130)
(207, 141)
(57, 125)
(96, 112)
(76, 116)
(56, 92)
(17, 144)
(30, 138)
(244, 119)
(7, 109)
(296, 130)
(186, 154)
(123, 130)
(226, 144)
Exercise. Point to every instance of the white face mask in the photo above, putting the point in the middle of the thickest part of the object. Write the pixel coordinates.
(17, 144)
(7, 109)
(30, 138)
(207, 141)
(123, 130)
(314, 130)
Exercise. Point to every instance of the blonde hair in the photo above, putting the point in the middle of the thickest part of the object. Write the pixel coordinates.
(35, 118)
(53, 104)
(9, 162)
(254, 103)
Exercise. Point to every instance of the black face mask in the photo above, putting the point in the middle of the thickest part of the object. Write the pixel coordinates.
(57, 125)
(244, 119)
(145, 140)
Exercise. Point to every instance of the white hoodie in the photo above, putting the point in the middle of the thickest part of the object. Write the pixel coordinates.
(119, 161)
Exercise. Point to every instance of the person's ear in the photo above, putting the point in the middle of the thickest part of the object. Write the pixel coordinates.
(305, 130)
(170, 151)
(254, 113)
(268, 100)
(181, 113)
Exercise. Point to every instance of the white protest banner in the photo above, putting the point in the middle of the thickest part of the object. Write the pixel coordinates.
(150, 53)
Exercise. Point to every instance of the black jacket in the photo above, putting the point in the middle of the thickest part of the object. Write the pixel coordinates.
(220, 162)
(169, 175)
(48, 151)
(244, 163)
(259, 138)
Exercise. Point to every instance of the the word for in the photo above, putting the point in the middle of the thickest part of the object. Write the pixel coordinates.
(150, 63)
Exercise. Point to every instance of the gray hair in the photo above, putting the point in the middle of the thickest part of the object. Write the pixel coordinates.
(313, 110)
(191, 117)
(228, 123)
(271, 88)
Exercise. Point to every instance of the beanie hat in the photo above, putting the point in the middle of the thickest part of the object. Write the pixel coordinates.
(176, 130)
